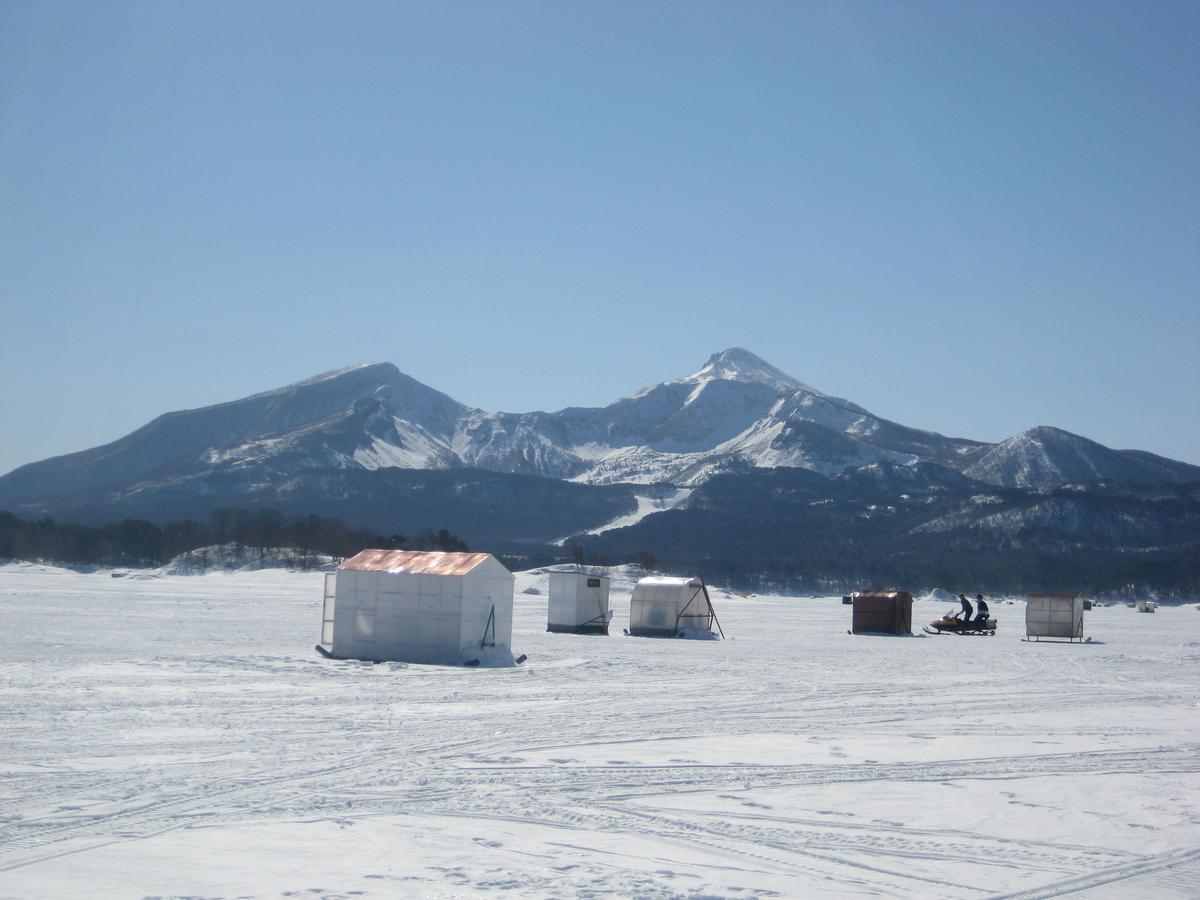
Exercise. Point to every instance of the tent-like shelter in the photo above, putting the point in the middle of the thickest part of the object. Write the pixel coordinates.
(1054, 616)
(882, 612)
(669, 607)
(421, 607)
(578, 603)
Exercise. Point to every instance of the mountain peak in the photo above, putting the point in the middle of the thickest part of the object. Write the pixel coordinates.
(1046, 457)
(739, 364)
(738, 356)
(377, 370)
(364, 373)
(1051, 433)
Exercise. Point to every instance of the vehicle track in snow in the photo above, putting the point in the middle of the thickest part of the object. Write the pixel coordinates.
(548, 794)
(1112, 875)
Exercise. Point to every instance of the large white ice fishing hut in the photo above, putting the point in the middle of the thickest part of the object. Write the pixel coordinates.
(667, 607)
(578, 603)
(1054, 616)
(418, 606)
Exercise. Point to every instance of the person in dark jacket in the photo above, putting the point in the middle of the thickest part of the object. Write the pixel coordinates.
(981, 608)
(966, 608)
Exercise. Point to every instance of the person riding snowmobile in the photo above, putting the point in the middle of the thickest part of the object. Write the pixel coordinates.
(966, 608)
(981, 607)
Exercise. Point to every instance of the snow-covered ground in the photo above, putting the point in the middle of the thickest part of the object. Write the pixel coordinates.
(178, 736)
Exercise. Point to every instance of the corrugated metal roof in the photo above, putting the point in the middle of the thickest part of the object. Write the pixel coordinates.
(414, 562)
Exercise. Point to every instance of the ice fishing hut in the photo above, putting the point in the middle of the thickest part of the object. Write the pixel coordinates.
(670, 607)
(578, 603)
(1054, 616)
(421, 607)
(881, 612)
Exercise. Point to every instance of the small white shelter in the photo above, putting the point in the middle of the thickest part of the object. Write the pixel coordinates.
(1056, 616)
(421, 607)
(669, 607)
(1147, 606)
(578, 603)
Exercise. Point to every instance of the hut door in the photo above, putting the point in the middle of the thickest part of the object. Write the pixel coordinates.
(593, 608)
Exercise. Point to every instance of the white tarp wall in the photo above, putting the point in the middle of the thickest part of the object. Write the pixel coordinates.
(578, 601)
(1054, 616)
(487, 587)
(658, 606)
(423, 617)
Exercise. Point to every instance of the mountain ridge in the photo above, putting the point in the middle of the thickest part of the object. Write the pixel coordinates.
(1045, 456)
(735, 411)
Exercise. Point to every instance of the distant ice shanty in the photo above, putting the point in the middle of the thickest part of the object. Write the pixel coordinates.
(668, 607)
(420, 607)
(578, 603)
(881, 612)
(1054, 616)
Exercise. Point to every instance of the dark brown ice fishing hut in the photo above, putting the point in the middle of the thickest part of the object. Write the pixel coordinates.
(882, 612)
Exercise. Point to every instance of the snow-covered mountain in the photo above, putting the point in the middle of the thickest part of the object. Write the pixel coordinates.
(735, 412)
(1045, 457)
(735, 409)
(340, 419)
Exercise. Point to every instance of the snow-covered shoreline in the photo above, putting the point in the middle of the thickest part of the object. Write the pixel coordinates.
(178, 735)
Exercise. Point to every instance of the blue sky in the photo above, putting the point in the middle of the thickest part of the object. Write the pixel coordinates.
(973, 218)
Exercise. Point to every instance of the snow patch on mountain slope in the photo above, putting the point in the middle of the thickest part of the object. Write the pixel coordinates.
(416, 453)
(648, 504)
(723, 411)
(695, 394)
(639, 465)
(831, 412)
(508, 442)
(245, 453)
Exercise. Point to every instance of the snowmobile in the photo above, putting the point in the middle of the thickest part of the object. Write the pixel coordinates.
(950, 623)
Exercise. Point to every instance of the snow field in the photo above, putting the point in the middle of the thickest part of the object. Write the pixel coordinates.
(179, 736)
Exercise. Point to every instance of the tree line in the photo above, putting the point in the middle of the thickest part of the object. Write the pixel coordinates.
(137, 543)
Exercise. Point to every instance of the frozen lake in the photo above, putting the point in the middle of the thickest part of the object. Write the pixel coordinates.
(179, 736)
